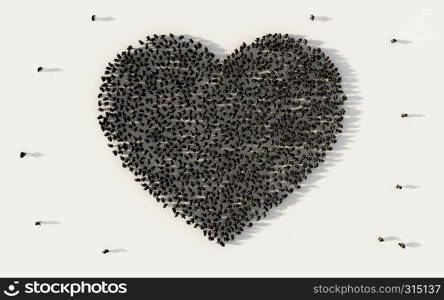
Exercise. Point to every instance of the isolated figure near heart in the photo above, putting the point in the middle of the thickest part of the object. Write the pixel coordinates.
(221, 142)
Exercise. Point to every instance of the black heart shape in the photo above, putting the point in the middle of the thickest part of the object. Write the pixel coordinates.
(221, 142)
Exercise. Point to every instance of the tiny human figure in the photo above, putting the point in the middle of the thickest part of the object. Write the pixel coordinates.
(23, 154)
(312, 17)
(93, 18)
(402, 245)
(39, 69)
(393, 41)
(399, 187)
(404, 115)
(105, 251)
(380, 239)
(38, 223)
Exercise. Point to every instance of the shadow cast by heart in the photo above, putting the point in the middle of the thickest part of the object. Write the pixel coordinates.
(243, 132)
(350, 128)
(218, 50)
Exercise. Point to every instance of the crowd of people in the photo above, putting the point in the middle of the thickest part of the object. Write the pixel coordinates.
(221, 142)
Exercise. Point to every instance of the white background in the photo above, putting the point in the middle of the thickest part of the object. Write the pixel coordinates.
(329, 229)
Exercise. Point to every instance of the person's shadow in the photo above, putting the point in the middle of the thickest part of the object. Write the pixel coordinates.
(52, 70)
(35, 154)
(403, 42)
(120, 250)
(413, 244)
(416, 116)
(50, 222)
(323, 18)
(105, 19)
